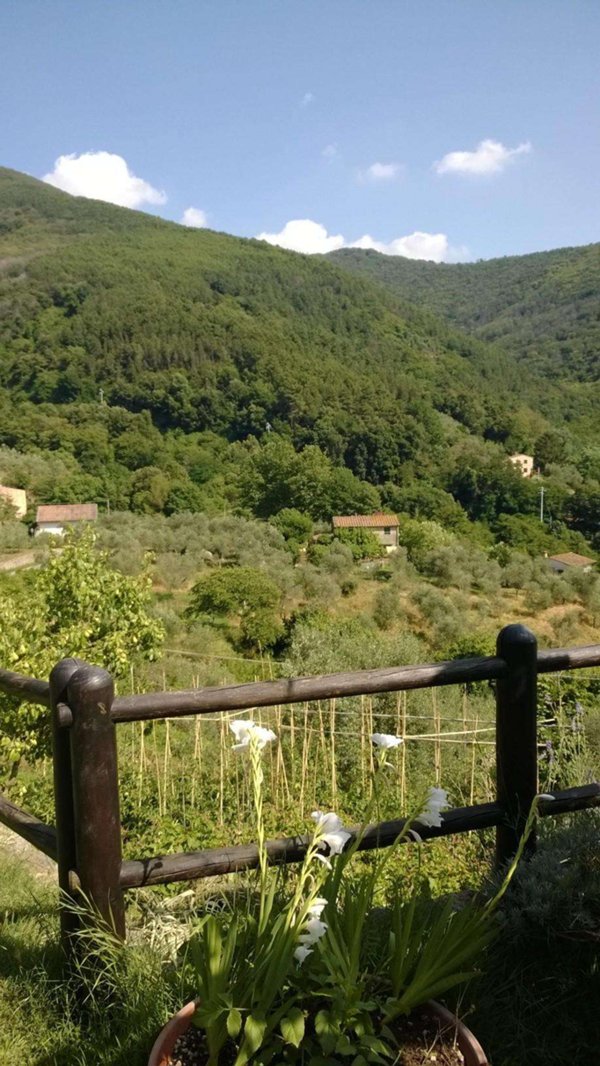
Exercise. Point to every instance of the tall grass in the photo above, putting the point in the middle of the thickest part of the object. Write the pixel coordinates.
(45, 1019)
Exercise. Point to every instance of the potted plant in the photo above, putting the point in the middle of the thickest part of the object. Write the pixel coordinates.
(315, 974)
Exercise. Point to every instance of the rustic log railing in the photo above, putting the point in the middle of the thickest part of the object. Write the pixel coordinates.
(86, 843)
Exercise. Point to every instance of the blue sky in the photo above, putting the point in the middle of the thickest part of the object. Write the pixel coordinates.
(335, 113)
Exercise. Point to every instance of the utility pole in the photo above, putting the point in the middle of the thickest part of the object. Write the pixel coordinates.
(541, 505)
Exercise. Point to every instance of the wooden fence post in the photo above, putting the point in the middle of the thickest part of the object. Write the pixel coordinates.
(516, 737)
(63, 795)
(90, 693)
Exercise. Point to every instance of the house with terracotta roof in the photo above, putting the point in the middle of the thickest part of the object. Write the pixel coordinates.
(570, 561)
(56, 518)
(384, 526)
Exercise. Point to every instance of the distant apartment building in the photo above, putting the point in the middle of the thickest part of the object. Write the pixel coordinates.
(56, 518)
(16, 497)
(570, 561)
(522, 462)
(384, 526)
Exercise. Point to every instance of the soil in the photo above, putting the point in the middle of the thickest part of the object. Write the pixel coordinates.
(38, 864)
(422, 1042)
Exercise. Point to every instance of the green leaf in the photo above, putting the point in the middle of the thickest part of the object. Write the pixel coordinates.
(292, 1027)
(323, 1023)
(254, 1032)
(234, 1023)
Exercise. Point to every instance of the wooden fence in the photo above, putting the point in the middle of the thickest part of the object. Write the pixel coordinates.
(86, 842)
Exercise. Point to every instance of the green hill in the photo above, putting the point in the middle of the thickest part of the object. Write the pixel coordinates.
(544, 308)
(164, 368)
(210, 332)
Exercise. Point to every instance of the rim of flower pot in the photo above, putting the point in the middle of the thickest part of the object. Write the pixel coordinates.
(170, 1033)
(468, 1044)
(473, 1053)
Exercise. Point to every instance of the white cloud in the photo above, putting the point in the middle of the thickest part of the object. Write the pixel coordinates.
(330, 151)
(417, 245)
(304, 235)
(102, 176)
(489, 157)
(308, 98)
(381, 172)
(194, 217)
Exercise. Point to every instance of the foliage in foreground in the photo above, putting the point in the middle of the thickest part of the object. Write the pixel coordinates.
(305, 973)
(76, 605)
(537, 1004)
(43, 1021)
(542, 976)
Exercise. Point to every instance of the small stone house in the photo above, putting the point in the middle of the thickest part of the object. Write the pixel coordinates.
(56, 518)
(522, 462)
(384, 526)
(16, 497)
(570, 561)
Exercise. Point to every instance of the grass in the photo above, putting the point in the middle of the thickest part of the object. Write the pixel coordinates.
(43, 1022)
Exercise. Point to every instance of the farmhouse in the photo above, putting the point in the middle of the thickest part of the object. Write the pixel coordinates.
(384, 526)
(570, 561)
(522, 462)
(16, 497)
(57, 517)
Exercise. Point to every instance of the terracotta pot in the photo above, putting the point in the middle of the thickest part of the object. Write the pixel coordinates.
(168, 1037)
(472, 1050)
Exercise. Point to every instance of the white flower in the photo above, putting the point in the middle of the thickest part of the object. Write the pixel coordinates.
(302, 953)
(437, 800)
(313, 931)
(332, 833)
(317, 907)
(386, 740)
(245, 729)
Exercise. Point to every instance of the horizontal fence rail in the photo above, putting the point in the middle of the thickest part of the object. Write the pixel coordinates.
(84, 712)
(25, 688)
(155, 705)
(188, 866)
(43, 837)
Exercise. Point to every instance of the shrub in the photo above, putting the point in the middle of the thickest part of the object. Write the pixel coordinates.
(244, 593)
(362, 543)
(421, 537)
(387, 607)
(13, 535)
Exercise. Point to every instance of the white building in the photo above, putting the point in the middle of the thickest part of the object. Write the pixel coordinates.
(55, 518)
(570, 561)
(522, 462)
(16, 497)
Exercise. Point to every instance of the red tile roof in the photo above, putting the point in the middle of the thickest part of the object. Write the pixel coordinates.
(370, 521)
(572, 559)
(67, 512)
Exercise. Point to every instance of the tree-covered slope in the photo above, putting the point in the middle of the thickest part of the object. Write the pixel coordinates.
(210, 332)
(544, 308)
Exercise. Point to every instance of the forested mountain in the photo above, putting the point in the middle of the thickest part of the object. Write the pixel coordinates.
(168, 369)
(544, 308)
(209, 332)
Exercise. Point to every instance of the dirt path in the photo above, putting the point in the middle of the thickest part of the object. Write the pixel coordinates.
(17, 561)
(39, 865)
